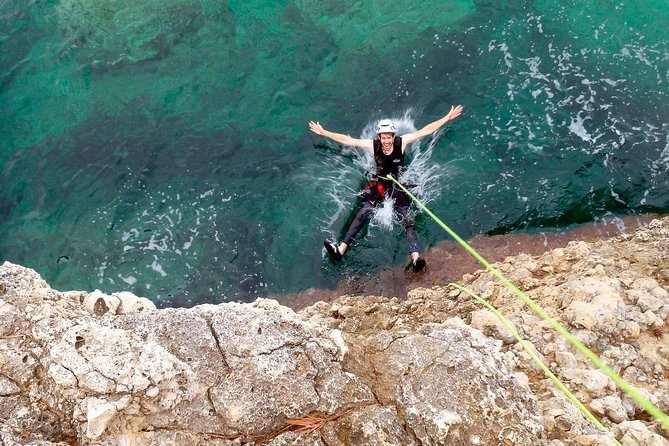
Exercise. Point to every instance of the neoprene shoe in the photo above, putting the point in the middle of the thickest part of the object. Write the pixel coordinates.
(418, 265)
(333, 250)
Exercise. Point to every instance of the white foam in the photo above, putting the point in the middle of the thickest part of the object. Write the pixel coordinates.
(577, 128)
(616, 197)
(208, 193)
(643, 200)
(130, 280)
(157, 245)
(420, 172)
(132, 233)
(533, 64)
(101, 272)
(384, 213)
(157, 267)
(504, 48)
(188, 244)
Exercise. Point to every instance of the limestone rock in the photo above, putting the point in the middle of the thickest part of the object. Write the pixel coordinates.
(131, 304)
(424, 373)
(108, 370)
(486, 321)
(372, 426)
(594, 381)
(96, 303)
(297, 439)
(610, 406)
(183, 372)
(597, 305)
(635, 433)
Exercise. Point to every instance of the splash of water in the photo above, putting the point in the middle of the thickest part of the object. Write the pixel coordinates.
(420, 173)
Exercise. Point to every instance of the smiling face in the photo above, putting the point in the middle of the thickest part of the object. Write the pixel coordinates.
(387, 142)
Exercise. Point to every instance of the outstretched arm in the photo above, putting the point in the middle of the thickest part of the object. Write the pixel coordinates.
(431, 127)
(365, 144)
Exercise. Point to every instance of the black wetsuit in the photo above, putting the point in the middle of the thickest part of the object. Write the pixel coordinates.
(375, 192)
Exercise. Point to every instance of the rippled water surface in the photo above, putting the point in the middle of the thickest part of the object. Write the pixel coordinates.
(162, 146)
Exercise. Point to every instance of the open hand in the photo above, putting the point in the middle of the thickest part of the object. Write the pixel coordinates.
(316, 127)
(455, 112)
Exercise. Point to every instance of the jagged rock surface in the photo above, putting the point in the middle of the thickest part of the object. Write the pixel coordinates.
(434, 369)
(76, 367)
(611, 294)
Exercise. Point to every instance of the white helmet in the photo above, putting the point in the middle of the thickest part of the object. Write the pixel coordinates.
(386, 126)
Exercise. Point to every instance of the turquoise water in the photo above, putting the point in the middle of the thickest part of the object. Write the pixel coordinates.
(162, 146)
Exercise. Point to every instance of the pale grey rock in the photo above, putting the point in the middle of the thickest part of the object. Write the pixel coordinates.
(565, 359)
(611, 406)
(10, 320)
(652, 320)
(632, 407)
(166, 438)
(113, 303)
(8, 387)
(299, 439)
(596, 440)
(648, 302)
(274, 355)
(597, 305)
(96, 304)
(371, 426)
(631, 330)
(620, 357)
(23, 438)
(523, 380)
(99, 413)
(576, 250)
(594, 381)
(664, 312)
(561, 416)
(635, 433)
(428, 371)
(486, 321)
(194, 377)
(525, 358)
(131, 304)
(161, 377)
(171, 328)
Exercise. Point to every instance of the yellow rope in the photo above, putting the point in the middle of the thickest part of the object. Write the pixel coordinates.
(649, 407)
(584, 410)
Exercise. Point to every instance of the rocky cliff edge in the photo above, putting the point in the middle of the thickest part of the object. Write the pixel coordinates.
(80, 368)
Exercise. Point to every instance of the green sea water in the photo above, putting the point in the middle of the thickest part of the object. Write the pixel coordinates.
(162, 147)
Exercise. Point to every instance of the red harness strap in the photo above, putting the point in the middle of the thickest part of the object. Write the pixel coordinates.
(379, 187)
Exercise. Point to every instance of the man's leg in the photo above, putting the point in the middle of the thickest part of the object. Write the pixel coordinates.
(407, 223)
(417, 263)
(361, 218)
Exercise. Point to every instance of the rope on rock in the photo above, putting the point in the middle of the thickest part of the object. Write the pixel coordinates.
(507, 323)
(633, 393)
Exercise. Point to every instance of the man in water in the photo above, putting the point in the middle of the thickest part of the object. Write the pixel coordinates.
(388, 152)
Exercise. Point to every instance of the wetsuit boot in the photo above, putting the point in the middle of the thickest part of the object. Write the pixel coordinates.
(417, 265)
(333, 250)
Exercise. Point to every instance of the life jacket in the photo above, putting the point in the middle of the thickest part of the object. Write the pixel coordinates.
(389, 164)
